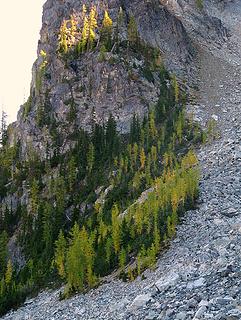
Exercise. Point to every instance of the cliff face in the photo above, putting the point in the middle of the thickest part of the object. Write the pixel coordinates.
(97, 88)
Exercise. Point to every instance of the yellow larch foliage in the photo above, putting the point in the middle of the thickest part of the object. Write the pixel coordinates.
(63, 37)
(85, 32)
(189, 160)
(92, 23)
(142, 158)
(107, 21)
(9, 273)
(73, 29)
(84, 10)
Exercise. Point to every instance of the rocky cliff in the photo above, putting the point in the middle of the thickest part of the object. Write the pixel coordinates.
(111, 86)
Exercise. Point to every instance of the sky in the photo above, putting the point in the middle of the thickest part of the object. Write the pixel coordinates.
(20, 23)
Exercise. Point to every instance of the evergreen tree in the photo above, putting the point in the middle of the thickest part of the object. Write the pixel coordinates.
(106, 31)
(90, 158)
(72, 173)
(142, 159)
(74, 261)
(34, 197)
(9, 273)
(3, 251)
(3, 129)
(63, 37)
(111, 137)
(85, 35)
(116, 230)
(47, 228)
(132, 32)
(60, 254)
(122, 258)
(175, 88)
(92, 27)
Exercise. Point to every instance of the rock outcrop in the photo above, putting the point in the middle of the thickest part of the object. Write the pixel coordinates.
(98, 88)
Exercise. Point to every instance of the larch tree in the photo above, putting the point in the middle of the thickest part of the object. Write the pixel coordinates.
(85, 35)
(63, 37)
(88, 255)
(9, 273)
(92, 27)
(73, 30)
(116, 230)
(106, 31)
(142, 159)
(3, 251)
(74, 261)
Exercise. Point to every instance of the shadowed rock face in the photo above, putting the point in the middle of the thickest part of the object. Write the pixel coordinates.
(200, 24)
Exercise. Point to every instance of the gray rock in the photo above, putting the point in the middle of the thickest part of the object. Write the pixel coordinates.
(196, 283)
(200, 312)
(181, 316)
(163, 284)
(140, 301)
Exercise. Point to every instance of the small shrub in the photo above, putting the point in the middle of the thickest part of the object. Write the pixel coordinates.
(199, 4)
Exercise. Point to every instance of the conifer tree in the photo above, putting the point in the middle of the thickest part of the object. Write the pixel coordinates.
(3, 128)
(63, 37)
(135, 153)
(88, 254)
(47, 228)
(152, 126)
(73, 30)
(74, 261)
(116, 231)
(92, 27)
(103, 230)
(111, 137)
(9, 273)
(2, 287)
(106, 32)
(3, 251)
(90, 157)
(59, 193)
(122, 258)
(175, 88)
(179, 127)
(108, 249)
(154, 156)
(34, 197)
(85, 35)
(142, 158)
(72, 173)
(132, 32)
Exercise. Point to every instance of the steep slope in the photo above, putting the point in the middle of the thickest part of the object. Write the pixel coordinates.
(198, 277)
(191, 256)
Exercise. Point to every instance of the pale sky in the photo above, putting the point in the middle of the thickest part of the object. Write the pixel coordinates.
(20, 23)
